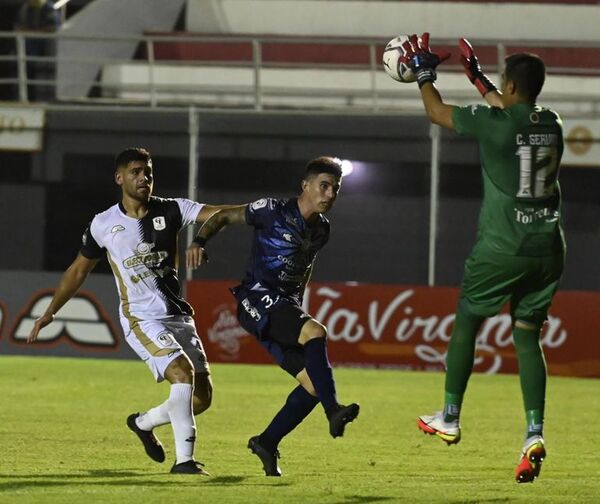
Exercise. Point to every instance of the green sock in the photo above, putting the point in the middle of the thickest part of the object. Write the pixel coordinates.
(452, 405)
(535, 423)
(459, 361)
(532, 372)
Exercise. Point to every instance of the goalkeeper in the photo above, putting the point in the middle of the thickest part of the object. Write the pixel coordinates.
(519, 252)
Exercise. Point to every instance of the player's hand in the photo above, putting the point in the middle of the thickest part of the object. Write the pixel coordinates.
(195, 255)
(422, 60)
(38, 325)
(473, 69)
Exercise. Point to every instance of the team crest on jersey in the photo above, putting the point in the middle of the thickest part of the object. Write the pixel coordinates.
(258, 204)
(166, 339)
(159, 223)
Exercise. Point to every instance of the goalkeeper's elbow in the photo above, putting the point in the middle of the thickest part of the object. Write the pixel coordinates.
(440, 114)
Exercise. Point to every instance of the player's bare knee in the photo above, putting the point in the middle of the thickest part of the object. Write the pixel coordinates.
(311, 330)
(180, 371)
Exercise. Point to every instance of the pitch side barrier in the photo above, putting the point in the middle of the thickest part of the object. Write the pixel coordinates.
(385, 326)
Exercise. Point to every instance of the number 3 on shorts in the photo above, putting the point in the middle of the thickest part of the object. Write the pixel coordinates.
(268, 301)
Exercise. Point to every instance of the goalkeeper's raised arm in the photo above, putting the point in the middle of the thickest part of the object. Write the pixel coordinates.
(423, 62)
(475, 74)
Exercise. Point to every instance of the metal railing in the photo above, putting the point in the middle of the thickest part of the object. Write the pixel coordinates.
(257, 94)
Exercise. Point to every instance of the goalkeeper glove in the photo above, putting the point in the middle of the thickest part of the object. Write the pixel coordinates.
(422, 60)
(473, 70)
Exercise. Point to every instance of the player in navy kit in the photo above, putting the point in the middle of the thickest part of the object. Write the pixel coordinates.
(287, 236)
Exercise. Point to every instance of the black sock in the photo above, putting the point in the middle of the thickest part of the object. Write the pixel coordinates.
(297, 407)
(320, 372)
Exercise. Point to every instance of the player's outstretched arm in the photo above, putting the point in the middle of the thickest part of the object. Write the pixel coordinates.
(475, 74)
(423, 63)
(68, 286)
(195, 254)
(438, 112)
(207, 212)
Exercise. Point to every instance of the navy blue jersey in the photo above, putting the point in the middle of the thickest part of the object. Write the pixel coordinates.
(284, 246)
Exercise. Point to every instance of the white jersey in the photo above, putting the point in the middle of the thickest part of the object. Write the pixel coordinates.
(143, 255)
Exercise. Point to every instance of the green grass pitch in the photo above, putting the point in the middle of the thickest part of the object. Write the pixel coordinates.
(64, 439)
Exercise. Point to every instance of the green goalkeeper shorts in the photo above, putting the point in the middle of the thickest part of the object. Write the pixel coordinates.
(491, 280)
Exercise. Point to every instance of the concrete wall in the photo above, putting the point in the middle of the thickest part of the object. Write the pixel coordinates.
(380, 222)
(351, 18)
(22, 215)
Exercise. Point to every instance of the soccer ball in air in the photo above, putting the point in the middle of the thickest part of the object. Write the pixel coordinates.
(395, 62)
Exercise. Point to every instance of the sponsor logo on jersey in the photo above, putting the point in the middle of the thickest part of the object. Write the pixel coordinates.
(151, 260)
(286, 277)
(117, 228)
(159, 223)
(287, 261)
(287, 237)
(82, 321)
(258, 204)
(253, 312)
(144, 257)
(145, 274)
(143, 248)
(529, 215)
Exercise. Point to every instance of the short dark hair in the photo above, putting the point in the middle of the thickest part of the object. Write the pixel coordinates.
(323, 164)
(126, 156)
(528, 72)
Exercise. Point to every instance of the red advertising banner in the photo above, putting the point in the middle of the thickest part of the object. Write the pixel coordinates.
(404, 327)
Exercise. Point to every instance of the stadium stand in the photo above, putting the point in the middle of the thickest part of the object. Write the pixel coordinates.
(310, 54)
(274, 54)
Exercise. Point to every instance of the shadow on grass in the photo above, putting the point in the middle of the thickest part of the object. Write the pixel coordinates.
(92, 473)
(122, 478)
(480, 501)
(360, 499)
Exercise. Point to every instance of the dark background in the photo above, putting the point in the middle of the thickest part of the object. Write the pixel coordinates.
(380, 223)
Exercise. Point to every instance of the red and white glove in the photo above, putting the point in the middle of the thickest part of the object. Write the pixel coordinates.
(472, 68)
(422, 60)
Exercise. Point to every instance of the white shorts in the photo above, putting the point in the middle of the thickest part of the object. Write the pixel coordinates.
(159, 342)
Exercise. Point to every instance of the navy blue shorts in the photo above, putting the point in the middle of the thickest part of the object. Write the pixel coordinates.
(277, 328)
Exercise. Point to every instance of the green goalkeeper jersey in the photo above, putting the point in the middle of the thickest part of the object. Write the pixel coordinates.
(520, 148)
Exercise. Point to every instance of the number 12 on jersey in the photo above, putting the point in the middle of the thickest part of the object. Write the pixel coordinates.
(538, 171)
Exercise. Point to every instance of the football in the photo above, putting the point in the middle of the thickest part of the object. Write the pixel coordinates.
(394, 60)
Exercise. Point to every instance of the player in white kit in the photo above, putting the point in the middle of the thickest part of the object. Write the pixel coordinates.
(138, 235)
